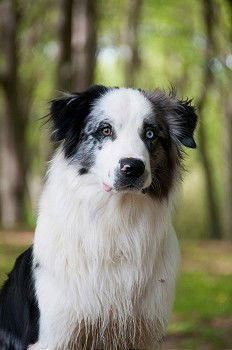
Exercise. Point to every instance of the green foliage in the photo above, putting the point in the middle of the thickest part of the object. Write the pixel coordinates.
(203, 309)
(172, 44)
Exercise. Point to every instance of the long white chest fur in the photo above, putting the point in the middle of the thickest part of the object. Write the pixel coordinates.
(106, 264)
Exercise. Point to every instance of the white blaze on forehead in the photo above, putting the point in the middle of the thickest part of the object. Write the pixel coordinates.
(124, 105)
(125, 109)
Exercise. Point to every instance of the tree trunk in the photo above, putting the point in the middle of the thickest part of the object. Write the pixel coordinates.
(84, 43)
(227, 95)
(208, 79)
(64, 73)
(131, 41)
(13, 157)
(12, 172)
(228, 113)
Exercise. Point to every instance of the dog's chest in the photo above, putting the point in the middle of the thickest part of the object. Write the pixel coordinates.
(97, 262)
(111, 280)
(98, 296)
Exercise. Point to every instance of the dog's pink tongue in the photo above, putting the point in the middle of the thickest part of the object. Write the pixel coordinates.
(106, 187)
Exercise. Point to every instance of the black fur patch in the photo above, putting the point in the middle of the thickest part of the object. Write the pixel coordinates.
(69, 113)
(83, 171)
(186, 120)
(179, 115)
(19, 313)
(174, 124)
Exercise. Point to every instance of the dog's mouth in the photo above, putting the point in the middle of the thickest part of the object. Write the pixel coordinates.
(121, 189)
(127, 183)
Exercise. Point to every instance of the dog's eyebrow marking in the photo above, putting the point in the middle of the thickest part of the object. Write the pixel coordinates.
(149, 117)
(149, 123)
(106, 121)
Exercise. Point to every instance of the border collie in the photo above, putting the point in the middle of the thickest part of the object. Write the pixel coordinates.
(102, 268)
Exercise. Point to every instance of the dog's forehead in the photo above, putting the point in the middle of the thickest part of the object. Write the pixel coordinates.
(122, 105)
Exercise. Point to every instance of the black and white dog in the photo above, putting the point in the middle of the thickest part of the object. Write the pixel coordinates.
(101, 272)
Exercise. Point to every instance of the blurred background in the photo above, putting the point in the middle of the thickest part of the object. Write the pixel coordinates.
(48, 46)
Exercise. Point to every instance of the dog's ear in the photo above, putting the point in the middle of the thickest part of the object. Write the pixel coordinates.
(61, 115)
(182, 122)
(68, 115)
(180, 115)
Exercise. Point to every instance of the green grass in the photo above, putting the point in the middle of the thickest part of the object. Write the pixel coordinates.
(202, 316)
(202, 307)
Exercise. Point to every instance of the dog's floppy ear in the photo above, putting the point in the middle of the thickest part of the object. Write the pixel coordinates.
(71, 109)
(61, 115)
(68, 115)
(182, 122)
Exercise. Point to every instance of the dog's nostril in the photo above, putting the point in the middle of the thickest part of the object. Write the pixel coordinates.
(132, 167)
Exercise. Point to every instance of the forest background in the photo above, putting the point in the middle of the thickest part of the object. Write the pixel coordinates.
(67, 45)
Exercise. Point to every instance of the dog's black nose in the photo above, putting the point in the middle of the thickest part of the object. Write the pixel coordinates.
(132, 167)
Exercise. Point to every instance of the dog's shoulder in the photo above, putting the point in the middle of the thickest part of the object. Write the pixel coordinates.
(19, 312)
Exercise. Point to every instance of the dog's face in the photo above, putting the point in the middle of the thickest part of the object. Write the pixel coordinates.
(127, 139)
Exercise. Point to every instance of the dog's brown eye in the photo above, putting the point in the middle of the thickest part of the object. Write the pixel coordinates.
(106, 131)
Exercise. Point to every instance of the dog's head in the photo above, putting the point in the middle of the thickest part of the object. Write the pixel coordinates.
(129, 140)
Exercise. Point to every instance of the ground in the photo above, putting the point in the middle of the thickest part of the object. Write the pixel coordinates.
(202, 315)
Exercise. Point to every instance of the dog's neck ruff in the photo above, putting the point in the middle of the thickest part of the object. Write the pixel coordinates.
(104, 250)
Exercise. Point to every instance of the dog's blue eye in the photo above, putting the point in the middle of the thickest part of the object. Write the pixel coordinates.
(150, 134)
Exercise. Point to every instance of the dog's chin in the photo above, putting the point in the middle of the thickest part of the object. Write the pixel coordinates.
(129, 189)
(124, 188)
(137, 188)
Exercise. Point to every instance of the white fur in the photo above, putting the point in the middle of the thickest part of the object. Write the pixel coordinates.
(126, 109)
(102, 254)
(95, 250)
